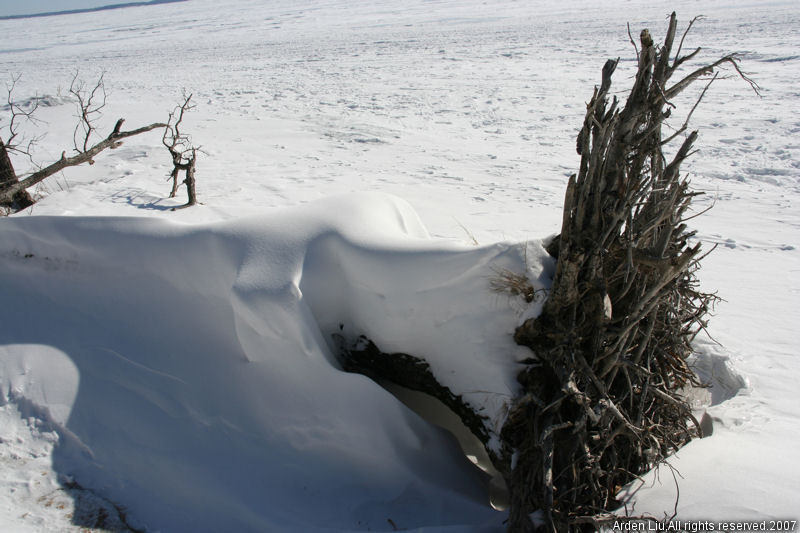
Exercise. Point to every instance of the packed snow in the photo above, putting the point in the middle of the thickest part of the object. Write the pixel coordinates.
(366, 168)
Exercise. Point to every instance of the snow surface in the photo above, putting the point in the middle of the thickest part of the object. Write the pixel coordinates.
(188, 374)
(176, 364)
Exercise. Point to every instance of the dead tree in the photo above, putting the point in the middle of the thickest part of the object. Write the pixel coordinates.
(600, 400)
(183, 153)
(19, 199)
(8, 176)
(13, 190)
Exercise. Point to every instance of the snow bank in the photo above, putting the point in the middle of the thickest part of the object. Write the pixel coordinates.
(188, 375)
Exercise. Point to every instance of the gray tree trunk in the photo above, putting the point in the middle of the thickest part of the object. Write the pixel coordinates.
(8, 178)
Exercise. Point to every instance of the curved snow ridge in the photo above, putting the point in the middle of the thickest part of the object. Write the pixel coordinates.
(434, 304)
(192, 366)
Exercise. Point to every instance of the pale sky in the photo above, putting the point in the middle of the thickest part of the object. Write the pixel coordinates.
(27, 7)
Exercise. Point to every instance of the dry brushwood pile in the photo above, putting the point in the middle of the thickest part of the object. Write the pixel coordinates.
(602, 397)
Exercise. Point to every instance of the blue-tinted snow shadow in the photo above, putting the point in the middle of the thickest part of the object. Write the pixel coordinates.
(143, 200)
(127, 401)
(140, 433)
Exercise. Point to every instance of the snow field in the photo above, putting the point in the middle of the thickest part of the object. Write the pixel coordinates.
(468, 111)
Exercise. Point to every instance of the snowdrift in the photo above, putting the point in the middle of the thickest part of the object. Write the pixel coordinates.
(188, 374)
(466, 109)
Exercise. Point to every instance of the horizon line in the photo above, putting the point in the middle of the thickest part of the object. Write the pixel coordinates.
(89, 9)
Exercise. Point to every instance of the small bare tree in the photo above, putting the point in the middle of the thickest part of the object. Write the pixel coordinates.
(90, 102)
(183, 153)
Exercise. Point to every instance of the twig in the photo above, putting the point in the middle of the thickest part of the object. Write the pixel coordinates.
(89, 110)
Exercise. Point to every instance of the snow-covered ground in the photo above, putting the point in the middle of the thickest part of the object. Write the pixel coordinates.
(369, 164)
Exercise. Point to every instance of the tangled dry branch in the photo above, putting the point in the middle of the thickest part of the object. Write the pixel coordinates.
(602, 402)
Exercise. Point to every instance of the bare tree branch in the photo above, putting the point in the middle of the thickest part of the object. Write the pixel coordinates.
(90, 106)
(677, 60)
(114, 140)
(691, 112)
(19, 114)
(8, 176)
(731, 59)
